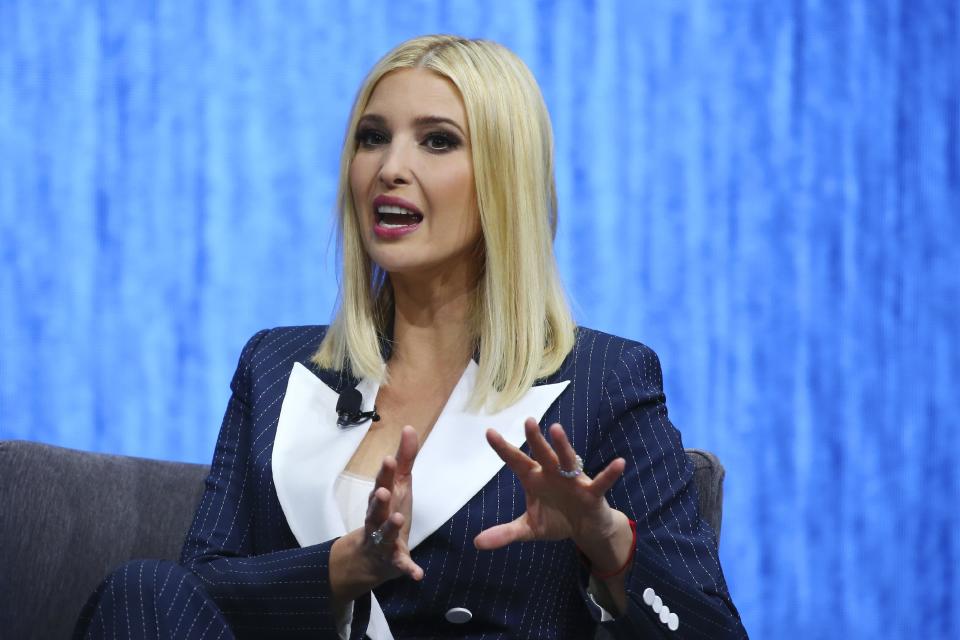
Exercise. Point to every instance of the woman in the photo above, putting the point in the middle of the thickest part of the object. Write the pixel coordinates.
(452, 503)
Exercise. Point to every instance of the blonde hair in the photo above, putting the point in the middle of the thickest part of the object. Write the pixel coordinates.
(521, 322)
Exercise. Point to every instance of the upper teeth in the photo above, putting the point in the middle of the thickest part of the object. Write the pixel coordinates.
(389, 208)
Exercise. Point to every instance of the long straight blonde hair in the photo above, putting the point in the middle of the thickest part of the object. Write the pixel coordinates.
(521, 321)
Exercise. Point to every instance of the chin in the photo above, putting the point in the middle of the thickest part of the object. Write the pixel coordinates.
(396, 263)
(416, 259)
(413, 267)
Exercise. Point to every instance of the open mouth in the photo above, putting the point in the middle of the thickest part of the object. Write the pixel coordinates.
(394, 217)
(391, 216)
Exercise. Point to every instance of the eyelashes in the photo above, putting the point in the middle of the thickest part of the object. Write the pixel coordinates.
(368, 137)
(437, 141)
(441, 141)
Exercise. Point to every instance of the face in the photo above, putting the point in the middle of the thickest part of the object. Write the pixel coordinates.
(412, 176)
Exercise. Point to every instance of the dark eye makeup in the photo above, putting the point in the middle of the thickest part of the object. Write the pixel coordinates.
(369, 137)
(441, 141)
(437, 141)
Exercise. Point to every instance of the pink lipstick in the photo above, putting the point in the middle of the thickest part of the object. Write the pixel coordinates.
(394, 217)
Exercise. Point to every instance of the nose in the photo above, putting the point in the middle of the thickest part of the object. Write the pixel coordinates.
(395, 170)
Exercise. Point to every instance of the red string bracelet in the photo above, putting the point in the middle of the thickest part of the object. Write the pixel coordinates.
(629, 561)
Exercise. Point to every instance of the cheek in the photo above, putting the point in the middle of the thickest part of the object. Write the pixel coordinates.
(355, 176)
(361, 171)
(358, 191)
(359, 181)
(462, 195)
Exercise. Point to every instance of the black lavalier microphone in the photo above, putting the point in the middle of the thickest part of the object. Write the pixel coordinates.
(348, 409)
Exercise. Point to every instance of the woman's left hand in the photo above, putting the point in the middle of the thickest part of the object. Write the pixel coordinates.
(559, 507)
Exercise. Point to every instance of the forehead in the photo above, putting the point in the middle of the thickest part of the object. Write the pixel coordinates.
(412, 93)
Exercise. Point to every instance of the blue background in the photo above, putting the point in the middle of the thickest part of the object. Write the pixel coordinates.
(767, 193)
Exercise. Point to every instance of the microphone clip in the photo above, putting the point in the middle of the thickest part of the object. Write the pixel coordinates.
(358, 418)
(348, 409)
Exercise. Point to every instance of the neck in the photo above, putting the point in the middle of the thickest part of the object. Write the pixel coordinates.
(432, 324)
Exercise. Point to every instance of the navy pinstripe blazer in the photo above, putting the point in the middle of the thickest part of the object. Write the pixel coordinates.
(241, 546)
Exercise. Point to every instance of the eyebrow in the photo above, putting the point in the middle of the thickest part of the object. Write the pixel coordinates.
(420, 121)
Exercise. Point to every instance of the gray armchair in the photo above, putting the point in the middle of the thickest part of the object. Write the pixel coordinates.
(67, 518)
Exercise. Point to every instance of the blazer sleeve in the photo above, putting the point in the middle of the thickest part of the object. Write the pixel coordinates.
(675, 558)
(280, 594)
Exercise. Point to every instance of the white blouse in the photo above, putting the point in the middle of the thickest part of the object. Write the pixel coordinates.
(352, 492)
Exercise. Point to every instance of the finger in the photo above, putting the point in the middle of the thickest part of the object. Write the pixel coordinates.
(503, 534)
(386, 475)
(378, 509)
(539, 447)
(405, 563)
(407, 450)
(566, 456)
(391, 528)
(604, 480)
(519, 462)
(401, 556)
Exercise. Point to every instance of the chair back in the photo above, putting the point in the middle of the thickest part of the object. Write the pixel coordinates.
(68, 518)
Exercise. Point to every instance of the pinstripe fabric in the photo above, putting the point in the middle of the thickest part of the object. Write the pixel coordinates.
(155, 600)
(243, 553)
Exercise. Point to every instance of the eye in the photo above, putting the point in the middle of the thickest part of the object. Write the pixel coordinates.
(369, 138)
(441, 141)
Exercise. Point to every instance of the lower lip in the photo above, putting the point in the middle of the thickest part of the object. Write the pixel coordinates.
(394, 232)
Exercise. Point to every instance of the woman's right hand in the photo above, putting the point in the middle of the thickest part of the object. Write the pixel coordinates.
(388, 511)
(358, 562)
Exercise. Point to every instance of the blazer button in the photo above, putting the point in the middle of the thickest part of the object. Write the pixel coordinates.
(458, 615)
(673, 622)
(648, 595)
(665, 614)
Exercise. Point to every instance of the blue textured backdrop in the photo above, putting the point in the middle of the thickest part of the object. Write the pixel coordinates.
(778, 183)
